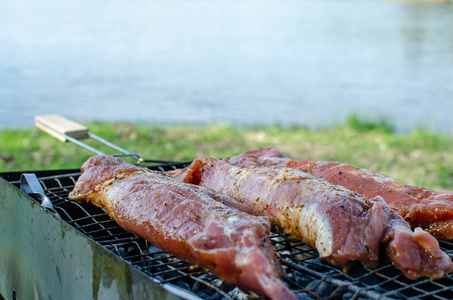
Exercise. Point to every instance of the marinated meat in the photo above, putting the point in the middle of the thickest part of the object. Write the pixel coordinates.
(420, 207)
(191, 222)
(343, 226)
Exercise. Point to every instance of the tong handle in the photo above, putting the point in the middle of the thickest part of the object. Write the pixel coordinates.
(64, 130)
(61, 127)
(68, 130)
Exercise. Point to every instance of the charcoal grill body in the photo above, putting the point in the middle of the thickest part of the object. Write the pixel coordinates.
(82, 254)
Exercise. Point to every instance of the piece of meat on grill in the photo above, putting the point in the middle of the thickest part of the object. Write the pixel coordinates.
(420, 207)
(191, 222)
(343, 226)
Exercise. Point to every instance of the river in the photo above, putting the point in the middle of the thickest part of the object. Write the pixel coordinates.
(262, 62)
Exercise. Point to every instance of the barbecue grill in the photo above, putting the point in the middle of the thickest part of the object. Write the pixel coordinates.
(74, 250)
(54, 248)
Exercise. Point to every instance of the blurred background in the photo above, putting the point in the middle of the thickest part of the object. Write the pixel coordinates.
(265, 62)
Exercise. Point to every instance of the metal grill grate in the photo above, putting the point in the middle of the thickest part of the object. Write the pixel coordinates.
(305, 273)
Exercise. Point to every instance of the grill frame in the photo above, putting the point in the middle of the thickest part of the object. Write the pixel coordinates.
(305, 273)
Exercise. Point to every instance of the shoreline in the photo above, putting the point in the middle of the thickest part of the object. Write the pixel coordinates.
(419, 158)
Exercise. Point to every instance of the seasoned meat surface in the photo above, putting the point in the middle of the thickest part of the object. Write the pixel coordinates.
(191, 222)
(420, 207)
(342, 225)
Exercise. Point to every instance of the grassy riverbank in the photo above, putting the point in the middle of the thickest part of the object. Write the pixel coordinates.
(419, 158)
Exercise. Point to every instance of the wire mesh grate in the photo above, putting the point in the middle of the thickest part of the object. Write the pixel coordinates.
(305, 273)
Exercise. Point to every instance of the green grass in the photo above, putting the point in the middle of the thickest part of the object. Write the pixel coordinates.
(420, 158)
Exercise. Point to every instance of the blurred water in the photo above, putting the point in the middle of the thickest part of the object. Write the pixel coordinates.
(244, 62)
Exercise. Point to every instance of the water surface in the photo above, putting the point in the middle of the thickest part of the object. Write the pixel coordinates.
(243, 62)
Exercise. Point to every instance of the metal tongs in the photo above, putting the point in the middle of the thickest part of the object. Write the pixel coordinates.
(68, 130)
(30, 185)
